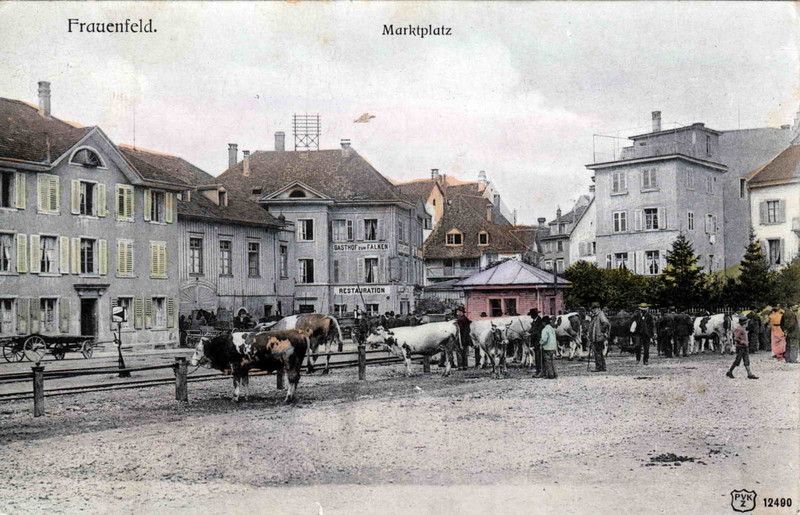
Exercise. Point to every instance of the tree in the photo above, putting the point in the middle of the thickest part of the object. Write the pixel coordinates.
(682, 279)
(625, 289)
(786, 286)
(588, 284)
(754, 288)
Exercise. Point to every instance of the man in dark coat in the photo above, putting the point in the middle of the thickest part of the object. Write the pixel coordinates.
(683, 329)
(598, 334)
(463, 324)
(537, 324)
(754, 330)
(642, 333)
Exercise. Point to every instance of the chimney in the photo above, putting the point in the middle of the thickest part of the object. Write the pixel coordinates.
(246, 162)
(656, 121)
(434, 173)
(233, 154)
(280, 141)
(558, 212)
(345, 147)
(44, 99)
(482, 177)
(489, 212)
(541, 221)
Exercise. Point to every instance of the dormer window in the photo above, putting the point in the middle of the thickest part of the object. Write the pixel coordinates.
(297, 194)
(483, 238)
(257, 191)
(454, 238)
(87, 158)
(223, 198)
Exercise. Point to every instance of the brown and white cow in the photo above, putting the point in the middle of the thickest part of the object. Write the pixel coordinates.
(569, 330)
(273, 351)
(718, 329)
(426, 339)
(323, 329)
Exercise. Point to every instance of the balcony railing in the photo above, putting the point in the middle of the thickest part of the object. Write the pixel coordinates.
(450, 272)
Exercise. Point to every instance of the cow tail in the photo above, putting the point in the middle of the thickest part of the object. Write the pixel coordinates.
(338, 329)
(458, 337)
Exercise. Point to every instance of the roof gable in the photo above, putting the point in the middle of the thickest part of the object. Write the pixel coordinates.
(511, 273)
(782, 169)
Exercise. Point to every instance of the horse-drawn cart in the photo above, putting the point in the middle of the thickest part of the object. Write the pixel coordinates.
(33, 347)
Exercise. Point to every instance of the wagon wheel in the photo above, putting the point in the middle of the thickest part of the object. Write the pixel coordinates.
(87, 348)
(34, 348)
(12, 352)
(59, 350)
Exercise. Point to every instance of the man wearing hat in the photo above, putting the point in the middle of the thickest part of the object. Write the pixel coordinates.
(742, 345)
(599, 332)
(463, 324)
(642, 331)
(537, 324)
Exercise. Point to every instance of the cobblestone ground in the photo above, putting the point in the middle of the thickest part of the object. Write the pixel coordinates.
(673, 437)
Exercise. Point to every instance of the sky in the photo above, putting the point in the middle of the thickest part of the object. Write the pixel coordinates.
(518, 89)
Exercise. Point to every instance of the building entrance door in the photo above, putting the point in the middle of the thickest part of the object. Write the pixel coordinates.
(88, 317)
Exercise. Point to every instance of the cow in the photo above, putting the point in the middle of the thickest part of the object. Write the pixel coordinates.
(321, 330)
(496, 349)
(621, 331)
(427, 340)
(717, 328)
(665, 329)
(569, 331)
(273, 351)
(682, 333)
(519, 327)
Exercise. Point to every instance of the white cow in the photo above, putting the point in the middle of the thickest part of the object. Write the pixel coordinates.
(514, 329)
(426, 340)
(569, 330)
(717, 328)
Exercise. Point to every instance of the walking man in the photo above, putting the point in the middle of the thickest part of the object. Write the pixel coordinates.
(742, 345)
(549, 345)
(599, 332)
(537, 324)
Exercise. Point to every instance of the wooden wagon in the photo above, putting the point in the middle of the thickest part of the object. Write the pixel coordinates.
(33, 347)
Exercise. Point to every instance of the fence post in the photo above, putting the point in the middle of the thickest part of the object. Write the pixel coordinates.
(38, 390)
(426, 364)
(181, 382)
(362, 362)
(279, 380)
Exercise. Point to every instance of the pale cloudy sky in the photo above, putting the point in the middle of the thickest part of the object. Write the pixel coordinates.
(518, 90)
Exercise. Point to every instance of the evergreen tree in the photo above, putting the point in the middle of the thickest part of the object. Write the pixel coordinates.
(588, 285)
(682, 280)
(754, 288)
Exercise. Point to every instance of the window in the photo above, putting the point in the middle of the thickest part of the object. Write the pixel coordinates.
(372, 309)
(454, 238)
(690, 221)
(559, 246)
(510, 306)
(742, 188)
(342, 230)
(548, 264)
(709, 185)
(87, 256)
(223, 198)
(405, 307)
(6, 249)
(426, 223)
(621, 260)
(7, 180)
(608, 261)
(306, 271)
(284, 253)
(124, 204)
(253, 264)
(87, 158)
(559, 266)
(772, 211)
(711, 224)
(652, 262)
(126, 303)
(401, 231)
(49, 315)
(689, 179)
(370, 229)
(158, 259)
(708, 144)
(370, 270)
(297, 194)
(49, 257)
(7, 317)
(620, 221)
(774, 252)
(256, 191)
(651, 222)
(224, 257)
(340, 310)
(305, 230)
(649, 179)
(155, 210)
(86, 198)
(483, 238)
(470, 263)
(619, 183)
(495, 308)
(196, 256)
(159, 313)
(49, 193)
(711, 262)
(125, 258)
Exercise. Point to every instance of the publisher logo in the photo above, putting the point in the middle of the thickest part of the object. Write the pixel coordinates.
(743, 500)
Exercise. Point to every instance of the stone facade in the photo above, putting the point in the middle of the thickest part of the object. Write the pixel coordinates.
(583, 238)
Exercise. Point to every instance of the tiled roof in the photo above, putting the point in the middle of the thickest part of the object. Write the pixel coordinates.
(331, 172)
(418, 190)
(530, 234)
(240, 208)
(468, 215)
(511, 273)
(25, 135)
(784, 168)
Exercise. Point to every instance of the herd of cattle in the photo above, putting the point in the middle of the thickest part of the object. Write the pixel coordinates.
(284, 345)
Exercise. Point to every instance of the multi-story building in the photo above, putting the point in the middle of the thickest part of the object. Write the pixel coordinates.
(82, 229)
(668, 182)
(358, 239)
(556, 246)
(583, 236)
(232, 254)
(775, 196)
(431, 194)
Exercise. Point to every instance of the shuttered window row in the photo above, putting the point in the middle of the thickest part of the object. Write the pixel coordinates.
(158, 259)
(44, 315)
(45, 254)
(149, 312)
(49, 193)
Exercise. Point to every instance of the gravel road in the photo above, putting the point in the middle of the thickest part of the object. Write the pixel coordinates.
(584, 443)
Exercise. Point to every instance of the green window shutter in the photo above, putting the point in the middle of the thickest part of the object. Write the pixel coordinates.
(170, 207)
(102, 200)
(22, 253)
(148, 313)
(19, 189)
(35, 322)
(119, 202)
(121, 257)
(138, 312)
(170, 312)
(23, 315)
(129, 258)
(148, 203)
(762, 212)
(63, 249)
(36, 254)
(114, 303)
(75, 198)
(55, 194)
(153, 259)
(781, 211)
(102, 251)
(75, 255)
(41, 193)
(163, 260)
(63, 314)
(130, 204)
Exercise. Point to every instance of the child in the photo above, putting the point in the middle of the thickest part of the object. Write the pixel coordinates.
(742, 344)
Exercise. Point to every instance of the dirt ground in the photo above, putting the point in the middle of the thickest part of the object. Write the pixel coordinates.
(674, 437)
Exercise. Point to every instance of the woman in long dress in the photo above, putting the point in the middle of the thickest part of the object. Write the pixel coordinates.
(778, 336)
